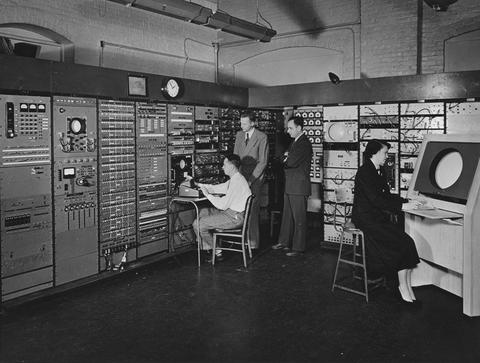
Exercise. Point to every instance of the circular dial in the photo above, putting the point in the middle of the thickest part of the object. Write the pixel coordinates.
(173, 88)
(76, 126)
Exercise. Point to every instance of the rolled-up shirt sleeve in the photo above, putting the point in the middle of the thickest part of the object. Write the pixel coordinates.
(236, 193)
(219, 188)
(218, 202)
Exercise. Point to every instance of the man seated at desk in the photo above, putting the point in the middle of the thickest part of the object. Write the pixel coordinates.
(229, 200)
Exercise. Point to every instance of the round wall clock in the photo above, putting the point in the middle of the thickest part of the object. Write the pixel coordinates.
(172, 88)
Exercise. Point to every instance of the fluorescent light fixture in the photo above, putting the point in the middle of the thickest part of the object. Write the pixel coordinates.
(197, 14)
(233, 25)
(182, 10)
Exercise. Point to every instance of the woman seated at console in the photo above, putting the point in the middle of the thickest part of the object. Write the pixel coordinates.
(389, 249)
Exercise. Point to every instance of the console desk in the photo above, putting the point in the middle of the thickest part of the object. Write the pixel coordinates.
(449, 250)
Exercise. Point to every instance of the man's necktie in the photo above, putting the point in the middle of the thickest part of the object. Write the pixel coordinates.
(246, 139)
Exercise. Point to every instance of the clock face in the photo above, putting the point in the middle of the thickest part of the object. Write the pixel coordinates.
(172, 88)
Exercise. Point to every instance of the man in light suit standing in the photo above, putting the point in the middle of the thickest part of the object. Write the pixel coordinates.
(297, 189)
(252, 147)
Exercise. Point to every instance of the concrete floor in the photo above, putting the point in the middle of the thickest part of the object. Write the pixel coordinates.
(280, 310)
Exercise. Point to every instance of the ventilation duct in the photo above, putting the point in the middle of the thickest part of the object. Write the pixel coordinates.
(197, 14)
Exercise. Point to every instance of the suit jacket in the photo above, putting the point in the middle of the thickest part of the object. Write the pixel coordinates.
(297, 167)
(372, 198)
(254, 155)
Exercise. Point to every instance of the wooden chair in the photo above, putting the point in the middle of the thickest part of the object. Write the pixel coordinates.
(237, 238)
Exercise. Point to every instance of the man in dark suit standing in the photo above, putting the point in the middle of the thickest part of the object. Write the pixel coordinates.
(252, 147)
(297, 189)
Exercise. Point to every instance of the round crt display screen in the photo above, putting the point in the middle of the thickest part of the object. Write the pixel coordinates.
(336, 131)
(448, 169)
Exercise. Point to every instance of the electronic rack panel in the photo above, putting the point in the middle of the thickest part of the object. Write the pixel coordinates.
(229, 125)
(181, 129)
(152, 178)
(26, 195)
(181, 143)
(207, 163)
(118, 193)
(181, 147)
(416, 121)
(75, 186)
(340, 163)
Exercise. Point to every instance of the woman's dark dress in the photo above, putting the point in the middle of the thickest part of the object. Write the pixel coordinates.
(389, 248)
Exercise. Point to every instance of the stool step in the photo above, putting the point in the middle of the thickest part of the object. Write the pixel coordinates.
(348, 262)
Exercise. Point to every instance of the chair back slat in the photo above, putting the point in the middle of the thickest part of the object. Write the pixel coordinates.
(246, 219)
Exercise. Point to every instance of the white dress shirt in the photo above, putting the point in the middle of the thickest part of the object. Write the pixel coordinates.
(236, 192)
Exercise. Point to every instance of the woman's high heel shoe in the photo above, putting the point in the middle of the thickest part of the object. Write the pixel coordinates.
(406, 298)
(404, 303)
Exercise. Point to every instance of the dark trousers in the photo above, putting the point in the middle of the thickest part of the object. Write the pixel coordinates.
(293, 231)
(211, 218)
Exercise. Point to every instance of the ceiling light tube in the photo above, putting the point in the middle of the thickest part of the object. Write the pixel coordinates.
(233, 25)
(197, 14)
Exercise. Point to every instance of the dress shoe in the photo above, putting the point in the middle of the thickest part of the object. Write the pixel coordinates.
(278, 246)
(294, 253)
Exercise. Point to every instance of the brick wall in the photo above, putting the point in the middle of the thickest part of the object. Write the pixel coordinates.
(389, 35)
(87, 22)
(389, 38)
(461, 17)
